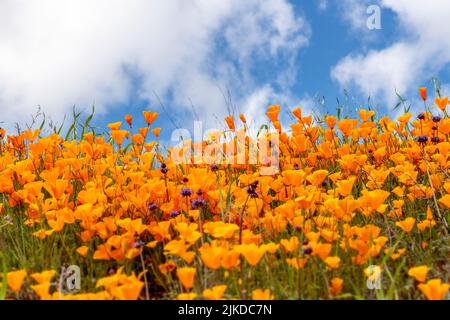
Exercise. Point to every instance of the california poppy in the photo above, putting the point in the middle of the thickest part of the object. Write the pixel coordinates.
(186, 277)
(215, 293)
(149, 116)
(419, 273)
(129, 119)
(423, 93)
(434, 289)
(15, 279)
(441, 103)
(259, 294)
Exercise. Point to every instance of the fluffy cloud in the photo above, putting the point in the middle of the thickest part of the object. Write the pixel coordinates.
(60, 53)
(421, 52)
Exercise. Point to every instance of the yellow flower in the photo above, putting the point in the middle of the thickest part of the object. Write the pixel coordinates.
(82, 251)
(186, 277)
(434, 289)
(419, 273)
(441, 103)
(215, 293)
(423, 93)
(445, 201)
(15, 279)
(251, 252)
(259, 294)
(129, 291)
(187, 296)
(290, 245)
(44, 277)
(149, 116)
(42, 290)
(336, 286)
(333, 262)
(406, 225)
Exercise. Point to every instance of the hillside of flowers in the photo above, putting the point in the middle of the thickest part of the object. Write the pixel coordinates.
(356, 208)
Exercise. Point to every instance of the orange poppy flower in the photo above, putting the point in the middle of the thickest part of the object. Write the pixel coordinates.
(434, 289)
(215, 293)
(441, 103)
(114, 125)
(297, 112)
(406, 225)
(336, 286)
(230, 122)
(333, 262)
(259, 294)
(419, 273)
(251, 252)
(44, 277)
(129, 119)
(129, 291)
(42, 290)
(317, 177)
(82, 251)
(119, 135)
(156, 131)
(186, 277)
(15, 279)
(187, 296)
(366, 115)
(150, 116)
(290, 245)
(423, 93)
(445, 201)
(330, 121)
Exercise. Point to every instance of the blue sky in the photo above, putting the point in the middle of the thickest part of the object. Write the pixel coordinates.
(127, 57)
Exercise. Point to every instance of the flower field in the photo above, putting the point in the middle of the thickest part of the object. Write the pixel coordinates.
(355, 209)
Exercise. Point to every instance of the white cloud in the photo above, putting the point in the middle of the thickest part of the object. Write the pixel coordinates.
(354, 12)
(322, 5)
(60, 53)
(422, 51)
(266, 95)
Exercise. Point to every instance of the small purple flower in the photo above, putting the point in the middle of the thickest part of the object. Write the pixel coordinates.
(199, 192)
(421, 116)
(175, 213)
(153, 207)
(436, 119)
(214, 167)
(298, 229)
(251, 189)
(197, 203)
(185, 180)
(435, 139)
(138, 244)
(164, 170)
(186, 192)
(305, 242)
(307, 250)
(253, 195)
(422, 139)
(296, 167)
(111, 271)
